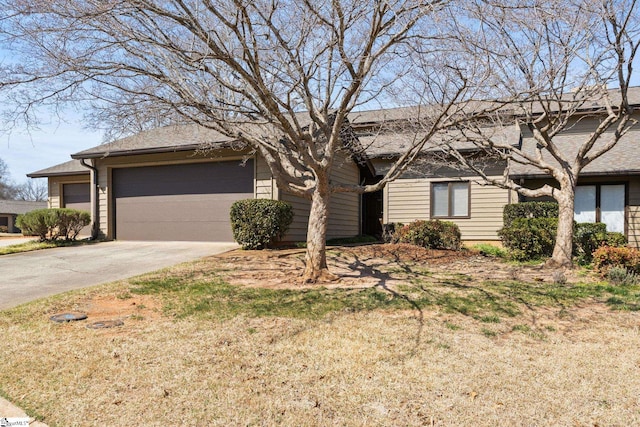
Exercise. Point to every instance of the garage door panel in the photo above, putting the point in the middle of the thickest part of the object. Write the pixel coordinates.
(76, 196)
(179, 202)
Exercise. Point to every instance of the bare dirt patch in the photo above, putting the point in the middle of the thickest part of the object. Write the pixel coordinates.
(369, 265)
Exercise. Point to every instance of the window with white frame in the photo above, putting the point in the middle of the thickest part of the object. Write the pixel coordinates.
(450, 199)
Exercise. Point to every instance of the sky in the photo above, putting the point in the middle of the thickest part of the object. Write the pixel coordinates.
(26, 152)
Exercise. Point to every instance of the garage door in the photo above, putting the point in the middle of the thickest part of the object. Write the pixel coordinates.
(76, 196)
(179, 202)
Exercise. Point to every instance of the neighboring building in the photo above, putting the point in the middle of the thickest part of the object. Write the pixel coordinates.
(68, 185)
(10, 209)
(159, 185)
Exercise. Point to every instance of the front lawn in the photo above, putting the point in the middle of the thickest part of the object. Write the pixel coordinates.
(420, 338)
(35, 245)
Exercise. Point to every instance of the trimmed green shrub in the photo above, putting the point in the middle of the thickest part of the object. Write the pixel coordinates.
(37, 223)
(70, 222)
(529, 210)
(529, 238)
(615, 239)
(607, 257)
(258, 223)
(432, 234)
(587, 237)
(52, 224)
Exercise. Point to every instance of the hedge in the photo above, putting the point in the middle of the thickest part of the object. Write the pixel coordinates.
(258, 223)
(529, 210)
(52, 224)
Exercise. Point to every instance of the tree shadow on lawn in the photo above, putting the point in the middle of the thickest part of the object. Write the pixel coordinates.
(480, 299)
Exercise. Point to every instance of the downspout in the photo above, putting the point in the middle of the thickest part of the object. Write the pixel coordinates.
(94, 204)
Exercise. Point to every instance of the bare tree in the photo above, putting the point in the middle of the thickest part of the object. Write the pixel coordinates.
(550, 64)
(279, 76)
(7, 189)
(34, 190)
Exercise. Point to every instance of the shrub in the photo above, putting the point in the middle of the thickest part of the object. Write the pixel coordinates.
(529, 238)
(607, 257)
(36, 223)
(70, 222)
(615, 239)
(587, 237)
(51, 224)
(258, 223)
(4, 229)
(432, 234)
(529, 210)
(622, 276)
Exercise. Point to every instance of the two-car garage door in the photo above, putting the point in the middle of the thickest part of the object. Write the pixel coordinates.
(178, 202)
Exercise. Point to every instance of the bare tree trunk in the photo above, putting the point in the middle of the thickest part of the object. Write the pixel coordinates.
(316, 259)
(563, 248)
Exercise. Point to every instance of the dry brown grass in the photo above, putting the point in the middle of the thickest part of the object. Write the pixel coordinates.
(550, 365)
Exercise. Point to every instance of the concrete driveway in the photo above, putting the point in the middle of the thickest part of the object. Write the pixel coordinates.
(31, 275)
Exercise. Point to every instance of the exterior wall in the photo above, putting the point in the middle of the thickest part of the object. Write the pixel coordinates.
(407, 200)
(106, 165)
(56, 183)
(344, 208)
(265, 185)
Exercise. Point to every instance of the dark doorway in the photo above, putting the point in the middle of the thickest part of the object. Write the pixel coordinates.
(372, 212)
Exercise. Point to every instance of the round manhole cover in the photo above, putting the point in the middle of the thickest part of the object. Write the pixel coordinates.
(68, 317)
(105, 324)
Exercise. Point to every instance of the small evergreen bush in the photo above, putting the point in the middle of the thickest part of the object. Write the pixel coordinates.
(615, 239)
(587, 237)
(52, 224)
(258, 223)
(432, 234)
(529, 210)
(529, 238)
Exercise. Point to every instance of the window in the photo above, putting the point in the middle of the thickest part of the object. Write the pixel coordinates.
(601, 203)
(449, 199)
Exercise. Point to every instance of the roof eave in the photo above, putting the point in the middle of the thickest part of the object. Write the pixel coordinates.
(46, 175)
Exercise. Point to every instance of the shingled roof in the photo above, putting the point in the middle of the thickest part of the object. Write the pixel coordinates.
(622, 159)
(375, 141)
(18, 207)
(72, 167)
(160, 140)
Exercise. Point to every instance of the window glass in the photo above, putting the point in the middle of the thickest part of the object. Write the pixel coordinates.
(450, 199)
(612, 207)
(460, 199)
(440, 199)
(584, 209)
